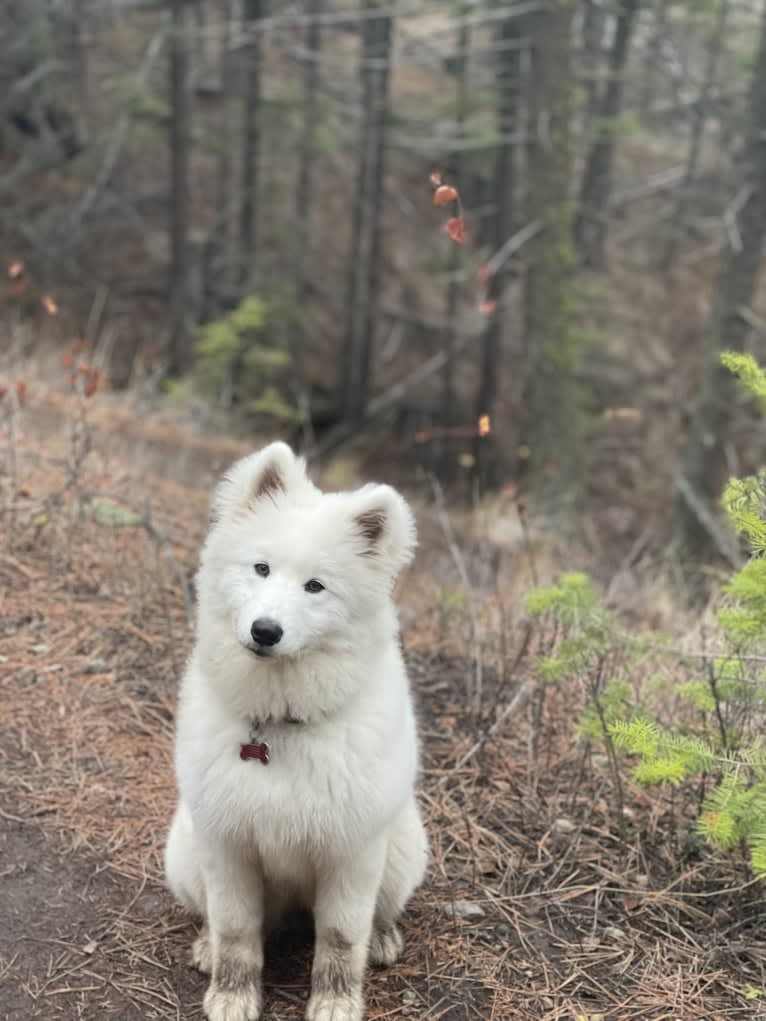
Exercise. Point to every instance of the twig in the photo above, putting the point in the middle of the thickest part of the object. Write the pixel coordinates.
(342, 433)
(733, 210)
(706, 519)
(122, 131)
(516, 702)
(662, 181)
(163, 544)
(457, 556)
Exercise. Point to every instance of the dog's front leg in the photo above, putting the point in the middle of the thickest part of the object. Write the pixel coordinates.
(343, 913)
(235, 919)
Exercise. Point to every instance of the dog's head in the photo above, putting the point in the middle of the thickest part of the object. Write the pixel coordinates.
(295, 570)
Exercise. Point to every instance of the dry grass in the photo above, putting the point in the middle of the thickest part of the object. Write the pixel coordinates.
(574, 921)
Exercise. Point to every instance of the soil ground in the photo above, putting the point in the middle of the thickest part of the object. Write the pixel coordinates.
(536, 906)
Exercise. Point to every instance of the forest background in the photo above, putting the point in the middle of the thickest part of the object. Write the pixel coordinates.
(495, 253)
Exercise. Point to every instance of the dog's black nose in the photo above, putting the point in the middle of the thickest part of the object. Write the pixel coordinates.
(265, 631)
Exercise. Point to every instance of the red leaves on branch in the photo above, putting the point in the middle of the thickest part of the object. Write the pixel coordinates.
(444, 194)
(85, 376)
(455, 228)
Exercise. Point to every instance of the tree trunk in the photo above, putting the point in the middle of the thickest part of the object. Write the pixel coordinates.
(704, 458)
(653, 56)
(592, 43)
(304, 197)
(252, 13)
(178, 349)
(699, 116)
(382, 28)
(552, 400)
(507, 86)
(591, 222)
(354, 298)
(364, 260)
(217, 256)
(449, 399)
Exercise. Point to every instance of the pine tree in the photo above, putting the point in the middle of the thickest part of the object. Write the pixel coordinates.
(704, 460)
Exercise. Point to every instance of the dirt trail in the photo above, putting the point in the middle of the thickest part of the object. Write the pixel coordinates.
(523, 917)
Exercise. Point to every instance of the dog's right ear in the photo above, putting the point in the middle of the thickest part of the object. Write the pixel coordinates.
(269, 473)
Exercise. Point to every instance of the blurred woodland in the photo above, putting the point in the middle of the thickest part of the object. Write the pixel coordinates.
(493, 253)
(235, 201)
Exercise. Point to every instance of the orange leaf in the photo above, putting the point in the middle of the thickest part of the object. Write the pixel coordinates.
(21, 390)
(91, 386)
(15, 270)
(455, 227)
(436, 178)
(487, 307)
(67, 359)
(484, 425)
(49, 305)
(444, 194)
(3, 391)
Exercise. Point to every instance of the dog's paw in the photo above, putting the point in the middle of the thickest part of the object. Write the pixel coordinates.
(325, 1007)
(232, 1004)
(385, 945)
(201, 953)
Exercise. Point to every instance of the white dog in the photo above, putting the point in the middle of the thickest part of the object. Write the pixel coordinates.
(296, 749)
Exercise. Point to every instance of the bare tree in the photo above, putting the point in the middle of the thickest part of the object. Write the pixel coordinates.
(700, 113)
(448, 410)
(252, 14)
(551, 391)
(507, 86)
(217, 257)
(653, 60)
(593, 23)
(179, 139)
(364, 261)
(591, 223)
(305, 190)
(704, 460)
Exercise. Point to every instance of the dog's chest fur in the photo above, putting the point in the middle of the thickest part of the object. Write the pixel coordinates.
(327, 784)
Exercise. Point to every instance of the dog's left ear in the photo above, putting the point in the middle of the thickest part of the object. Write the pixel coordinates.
(384, 527)
(269, 473)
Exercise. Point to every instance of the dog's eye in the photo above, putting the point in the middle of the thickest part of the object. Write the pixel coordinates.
(262, 570)
(314, 586)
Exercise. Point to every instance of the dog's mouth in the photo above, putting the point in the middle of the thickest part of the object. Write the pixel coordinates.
(262, 651)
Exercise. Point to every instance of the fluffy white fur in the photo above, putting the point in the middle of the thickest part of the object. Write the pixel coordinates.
(331, 821)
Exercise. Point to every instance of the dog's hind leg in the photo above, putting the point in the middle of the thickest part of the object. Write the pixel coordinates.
(183, 871)
(184, 877)
(405, 867)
